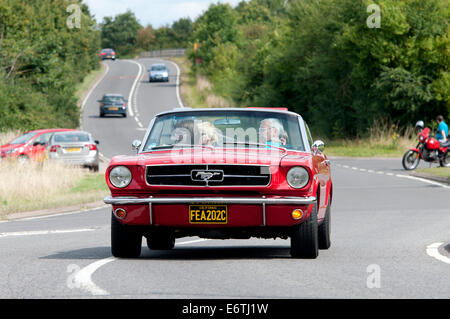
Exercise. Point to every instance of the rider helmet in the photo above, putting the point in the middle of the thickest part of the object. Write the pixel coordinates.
(420, 125)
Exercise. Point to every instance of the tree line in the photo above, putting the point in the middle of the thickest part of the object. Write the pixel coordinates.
(319, 58)
(42, 58)
(324, 60)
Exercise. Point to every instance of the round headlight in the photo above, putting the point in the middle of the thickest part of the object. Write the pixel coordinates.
(120, 176)
(297, 177)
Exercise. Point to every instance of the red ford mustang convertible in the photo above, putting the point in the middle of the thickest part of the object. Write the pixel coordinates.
(222, 173)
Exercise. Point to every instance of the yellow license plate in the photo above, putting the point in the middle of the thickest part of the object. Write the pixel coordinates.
(113, 108)
(108, 56)
(208, 214)
(73, 149)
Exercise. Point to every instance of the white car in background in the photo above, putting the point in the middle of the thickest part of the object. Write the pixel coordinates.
(158, 73)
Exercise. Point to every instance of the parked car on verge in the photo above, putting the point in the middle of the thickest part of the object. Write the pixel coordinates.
(76, 148)
(113, 104)
(29, 146)
(222, 173)
(107, 54)
(158, 73)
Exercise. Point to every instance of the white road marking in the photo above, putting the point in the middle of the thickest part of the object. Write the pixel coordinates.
(192, 241)
(423, 180)
(83, 278)
(180, 102)
(433, 251)
(138, 77)
(45, 232)
(399, 175)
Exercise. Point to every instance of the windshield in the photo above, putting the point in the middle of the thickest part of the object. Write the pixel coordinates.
(23, 138)
(226, 129)
(71, 137)
(159, 68)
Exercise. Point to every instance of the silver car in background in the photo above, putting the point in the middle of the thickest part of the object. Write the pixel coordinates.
(158, 73)
(75, 148)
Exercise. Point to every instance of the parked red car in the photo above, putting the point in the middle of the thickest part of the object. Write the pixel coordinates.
(29, 146)
(222, 173)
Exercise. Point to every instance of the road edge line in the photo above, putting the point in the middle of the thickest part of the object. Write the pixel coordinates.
(180, 101)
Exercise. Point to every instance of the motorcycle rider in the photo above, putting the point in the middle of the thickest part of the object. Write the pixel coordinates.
(442, 130)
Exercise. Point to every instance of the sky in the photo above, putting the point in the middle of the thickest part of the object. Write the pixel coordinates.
(154, 12)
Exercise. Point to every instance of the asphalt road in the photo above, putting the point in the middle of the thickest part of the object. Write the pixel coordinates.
(389, 234)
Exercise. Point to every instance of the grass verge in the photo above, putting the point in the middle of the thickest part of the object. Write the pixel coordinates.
(196, 90)
(48, 185)
(384, 140)
(38, 186)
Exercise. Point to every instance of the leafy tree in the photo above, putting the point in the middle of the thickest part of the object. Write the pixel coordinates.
(41, 60)
(218, 25)
(145, 38)
(120, 32)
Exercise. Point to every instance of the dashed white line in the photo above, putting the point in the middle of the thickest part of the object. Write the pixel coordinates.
(130, 97)
(397, 175)
(433, 251)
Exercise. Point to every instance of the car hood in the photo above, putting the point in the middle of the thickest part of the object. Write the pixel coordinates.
(8, 147)
(217, 156)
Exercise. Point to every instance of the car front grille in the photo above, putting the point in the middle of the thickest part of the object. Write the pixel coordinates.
(208, 175)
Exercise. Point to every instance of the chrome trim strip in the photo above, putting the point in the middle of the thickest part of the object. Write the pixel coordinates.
(264, 212)
(150, 212)
(210, 200)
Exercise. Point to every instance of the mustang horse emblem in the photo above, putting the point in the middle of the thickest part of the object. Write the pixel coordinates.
(206, 175)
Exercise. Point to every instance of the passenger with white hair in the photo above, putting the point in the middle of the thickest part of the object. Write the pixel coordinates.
(271, 132)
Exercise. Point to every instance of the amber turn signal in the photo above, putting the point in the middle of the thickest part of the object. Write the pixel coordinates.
(297, 214)
(120, 213)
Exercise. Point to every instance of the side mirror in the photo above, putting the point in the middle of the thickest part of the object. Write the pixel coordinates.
(136, 145)
(318, 146)
(97, 142)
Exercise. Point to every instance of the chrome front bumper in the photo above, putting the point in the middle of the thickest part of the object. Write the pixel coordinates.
(210, 200)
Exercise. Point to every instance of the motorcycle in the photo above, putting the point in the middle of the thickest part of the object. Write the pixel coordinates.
(428, 149)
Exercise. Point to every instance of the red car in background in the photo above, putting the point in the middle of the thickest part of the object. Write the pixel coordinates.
(222, 173)
(29, 146)
(107, 54)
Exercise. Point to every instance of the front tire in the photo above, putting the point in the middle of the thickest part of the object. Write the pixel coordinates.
(124, 242)
(410, 160)
(305, 239)
(325, 229)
